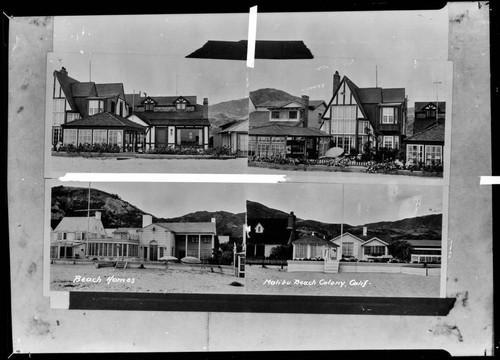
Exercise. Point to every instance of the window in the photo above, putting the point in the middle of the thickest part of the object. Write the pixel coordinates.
(389, 142)
(300, 251)
(292, 114)
(100, 136)
(374, 250)
(181, 106)
(149, 106)
(348, 249)
(189, 137)
(58, 111)
(431, 113)
(275, 114)
(388, 115)
(69, 136)
(433, 154)
(115, 137)
(364, 127)
(56, 134)
(206, 239)
(414, 153)
(190, 108)
(193, 238)
(263, 149)
(85, 136)
(316, 251)
(259, 229)
(345, 142)
(96, 107)
(70, 116)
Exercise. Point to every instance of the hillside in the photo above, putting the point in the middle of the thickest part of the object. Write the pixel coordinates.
(116, 212)
(422, 227)
(222, 113)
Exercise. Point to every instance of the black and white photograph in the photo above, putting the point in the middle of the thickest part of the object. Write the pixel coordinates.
(344, 240)
(136, 237)
(120, 102)
(337, 111)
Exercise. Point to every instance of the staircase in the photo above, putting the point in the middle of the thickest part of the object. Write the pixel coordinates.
(331, 267)
(121, 265)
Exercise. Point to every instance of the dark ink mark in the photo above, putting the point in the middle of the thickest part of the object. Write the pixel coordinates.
(57, 322)
(25, 86)
(40, 326)
(459, 18)
(38, 22)
(462, 298)
(21, 108)
(448, 330)
(32, 268)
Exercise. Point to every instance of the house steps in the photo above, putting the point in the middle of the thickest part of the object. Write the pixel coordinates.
(331, 267)
(121, 264)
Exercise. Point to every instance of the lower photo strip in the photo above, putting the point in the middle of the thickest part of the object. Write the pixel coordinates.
(282, 248)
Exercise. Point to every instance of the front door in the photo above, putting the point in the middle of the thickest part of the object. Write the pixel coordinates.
(153, 252)
(161, 136)
(145, 253)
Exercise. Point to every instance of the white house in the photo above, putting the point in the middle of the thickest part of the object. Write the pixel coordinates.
(354, 247)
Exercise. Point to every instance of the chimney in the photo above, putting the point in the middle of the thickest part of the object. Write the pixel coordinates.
(205, 108)
(64, 71)
(97, 215)
(146, 220)
(305, 100)
(365, 231)
(336, 81)
(291, 221)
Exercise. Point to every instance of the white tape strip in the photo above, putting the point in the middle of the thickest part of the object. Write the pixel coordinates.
(489, 180)
(177, 178)
(252, 31)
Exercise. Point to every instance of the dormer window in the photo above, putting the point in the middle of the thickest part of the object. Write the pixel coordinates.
(181, 106)
(180, 103)
(259, 229)
(96, 107)
(149, 105)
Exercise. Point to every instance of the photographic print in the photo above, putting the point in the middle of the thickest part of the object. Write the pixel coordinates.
(113, 95)
(366, 102)
(344, 240)
(135, 237)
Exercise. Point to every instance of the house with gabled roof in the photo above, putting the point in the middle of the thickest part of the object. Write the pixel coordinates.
(73, 99)
(428, 251)
(426, 114)
(427, 146)
(173, 121)
(362, 247)
(358, 117)
(233, 135)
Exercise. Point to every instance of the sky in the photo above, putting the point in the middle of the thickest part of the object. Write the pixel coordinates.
(147, 52)
(174, 199)
(353, 204)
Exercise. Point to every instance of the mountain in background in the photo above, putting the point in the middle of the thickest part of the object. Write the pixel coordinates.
(116, 212)
(426, 227)
(224, 112)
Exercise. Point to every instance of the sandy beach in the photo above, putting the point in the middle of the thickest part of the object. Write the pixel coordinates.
(274, 281)
(65, 277)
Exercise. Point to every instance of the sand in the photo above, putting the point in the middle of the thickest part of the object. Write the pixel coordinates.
(63, 276)
(274, 281)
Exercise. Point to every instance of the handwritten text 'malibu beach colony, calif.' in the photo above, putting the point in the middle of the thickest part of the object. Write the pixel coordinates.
(314, 282)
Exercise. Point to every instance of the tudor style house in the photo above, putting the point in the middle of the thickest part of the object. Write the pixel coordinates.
(288, 128)
(427, 114)
(80, 237)
(358, 117)
(91, 113)
(172, 121)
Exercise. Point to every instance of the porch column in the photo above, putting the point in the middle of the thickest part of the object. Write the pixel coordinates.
(199, 246)
(186, 252)
(308, 251)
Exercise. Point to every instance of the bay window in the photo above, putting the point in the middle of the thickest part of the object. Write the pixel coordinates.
(433, 154)
(85, 136)
(70, 136)
(115, 137)
(99, 136)
(414, 153)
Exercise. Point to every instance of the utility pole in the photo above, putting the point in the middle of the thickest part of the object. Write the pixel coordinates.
(437, 82)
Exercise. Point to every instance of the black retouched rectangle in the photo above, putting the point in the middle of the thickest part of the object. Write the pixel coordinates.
(348, 305)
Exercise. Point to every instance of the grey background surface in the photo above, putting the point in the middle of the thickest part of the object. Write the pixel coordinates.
(467, 330)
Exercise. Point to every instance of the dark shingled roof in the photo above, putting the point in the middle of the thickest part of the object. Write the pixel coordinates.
(264, 49)
(110, 89)
(83, 89)
(104, 119)
(432, 133)
(282, 130)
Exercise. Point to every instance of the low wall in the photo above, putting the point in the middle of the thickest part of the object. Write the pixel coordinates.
(362, 267)
(139, 155)
(305, 266)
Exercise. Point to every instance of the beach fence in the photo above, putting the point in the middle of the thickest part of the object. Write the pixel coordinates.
(266, 262)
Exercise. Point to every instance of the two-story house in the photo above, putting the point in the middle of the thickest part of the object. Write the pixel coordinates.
(90, 113)
(358, 117)
(173, 121)
(287, 128)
